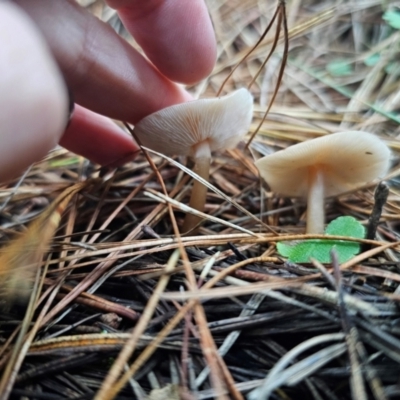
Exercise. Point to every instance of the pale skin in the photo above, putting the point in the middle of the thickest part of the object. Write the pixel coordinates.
(47, 46)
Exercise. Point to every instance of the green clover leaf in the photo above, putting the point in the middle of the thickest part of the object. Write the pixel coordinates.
(301, 252)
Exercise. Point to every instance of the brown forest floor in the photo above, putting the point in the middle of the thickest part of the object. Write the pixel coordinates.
(105, 288)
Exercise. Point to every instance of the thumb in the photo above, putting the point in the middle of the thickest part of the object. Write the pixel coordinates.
(33, 97)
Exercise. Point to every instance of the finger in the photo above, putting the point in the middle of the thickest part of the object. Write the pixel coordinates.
(98, 139)
(33, 97)
(176, 35)
(104, 73)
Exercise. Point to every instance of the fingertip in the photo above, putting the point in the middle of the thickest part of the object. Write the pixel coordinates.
(98, 139)
(177, 36)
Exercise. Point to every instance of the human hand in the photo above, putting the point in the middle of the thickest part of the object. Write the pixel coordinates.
(106, 76)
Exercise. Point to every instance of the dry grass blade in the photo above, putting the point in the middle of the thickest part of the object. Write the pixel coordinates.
(229, 341)
(356, 381)
(187, 209)
(210, 187)
(11, 370)
(363, 256)
(262, 37)
(109, 387)
(304, 368)
(273, 380)
(281, 21)
(20, 259)
(332, 297)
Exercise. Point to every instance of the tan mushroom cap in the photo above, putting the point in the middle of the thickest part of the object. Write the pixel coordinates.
(177, 130)
(346, 159)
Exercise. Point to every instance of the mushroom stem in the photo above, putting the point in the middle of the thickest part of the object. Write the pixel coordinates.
(315, 201)
(199, 191)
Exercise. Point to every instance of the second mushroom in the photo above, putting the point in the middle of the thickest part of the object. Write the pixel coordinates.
(197, 128)
(323, 167)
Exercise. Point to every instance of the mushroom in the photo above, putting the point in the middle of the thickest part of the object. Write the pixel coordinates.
(324, 167)
(197, 128)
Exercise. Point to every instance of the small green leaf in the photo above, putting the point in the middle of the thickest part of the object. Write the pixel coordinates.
(372, 60)
(392, 18)
(345, 226)
(285, 248)
(66, 162)
(320, 249)
(339, 68)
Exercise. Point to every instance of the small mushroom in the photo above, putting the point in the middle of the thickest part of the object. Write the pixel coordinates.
(197, 128)
(324, 167)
